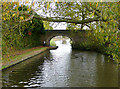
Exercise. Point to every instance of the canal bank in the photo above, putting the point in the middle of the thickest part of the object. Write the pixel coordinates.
(24, 56)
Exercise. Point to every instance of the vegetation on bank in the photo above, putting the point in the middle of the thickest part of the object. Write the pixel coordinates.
(22, 55)
(119, 46)
(105, 44)
(52, 42)
(17, 35)
(103, 35)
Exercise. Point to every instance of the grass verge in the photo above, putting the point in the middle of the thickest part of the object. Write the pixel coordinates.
(7, 62)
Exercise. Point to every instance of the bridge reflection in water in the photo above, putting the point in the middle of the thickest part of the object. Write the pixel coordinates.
(63, 67)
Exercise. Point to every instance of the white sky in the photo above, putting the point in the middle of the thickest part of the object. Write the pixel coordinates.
(60, 26)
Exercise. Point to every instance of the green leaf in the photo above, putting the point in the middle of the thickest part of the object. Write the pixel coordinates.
(106, 38)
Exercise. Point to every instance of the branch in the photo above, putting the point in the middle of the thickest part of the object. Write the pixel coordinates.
(95, 9)
(28, 18)
(62, 18)
(96, 13)
(89, 27)
(91, 10)
(50, 19)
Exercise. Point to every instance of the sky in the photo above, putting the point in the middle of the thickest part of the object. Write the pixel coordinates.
(61, 26)
(58, 26)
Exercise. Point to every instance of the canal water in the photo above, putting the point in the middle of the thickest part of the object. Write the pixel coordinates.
(63, 67)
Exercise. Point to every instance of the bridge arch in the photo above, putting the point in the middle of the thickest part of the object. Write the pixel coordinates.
(52, 36)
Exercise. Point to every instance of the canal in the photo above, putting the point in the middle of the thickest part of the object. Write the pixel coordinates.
(63, 67)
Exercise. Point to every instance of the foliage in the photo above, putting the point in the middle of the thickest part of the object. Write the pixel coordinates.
(104, 30)
(17, 34)
(52, 43)
(47, 25)
(102, 18)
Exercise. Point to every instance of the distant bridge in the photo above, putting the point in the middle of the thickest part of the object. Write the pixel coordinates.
(76, 36)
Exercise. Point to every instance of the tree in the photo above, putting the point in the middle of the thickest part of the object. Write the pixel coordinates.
(100, 17)
(16, 32)
(47, 25)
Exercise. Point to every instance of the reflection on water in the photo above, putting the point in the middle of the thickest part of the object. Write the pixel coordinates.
(63, 67)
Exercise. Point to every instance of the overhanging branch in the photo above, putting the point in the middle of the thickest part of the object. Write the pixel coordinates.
(66, 20)
(96, 13)
(28, 18)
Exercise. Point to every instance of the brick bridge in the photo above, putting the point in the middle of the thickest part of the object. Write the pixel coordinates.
(76, 36)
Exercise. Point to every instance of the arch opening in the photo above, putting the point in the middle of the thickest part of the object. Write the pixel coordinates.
(60, 40)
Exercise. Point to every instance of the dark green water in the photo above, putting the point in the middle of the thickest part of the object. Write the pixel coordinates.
(63, 67)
